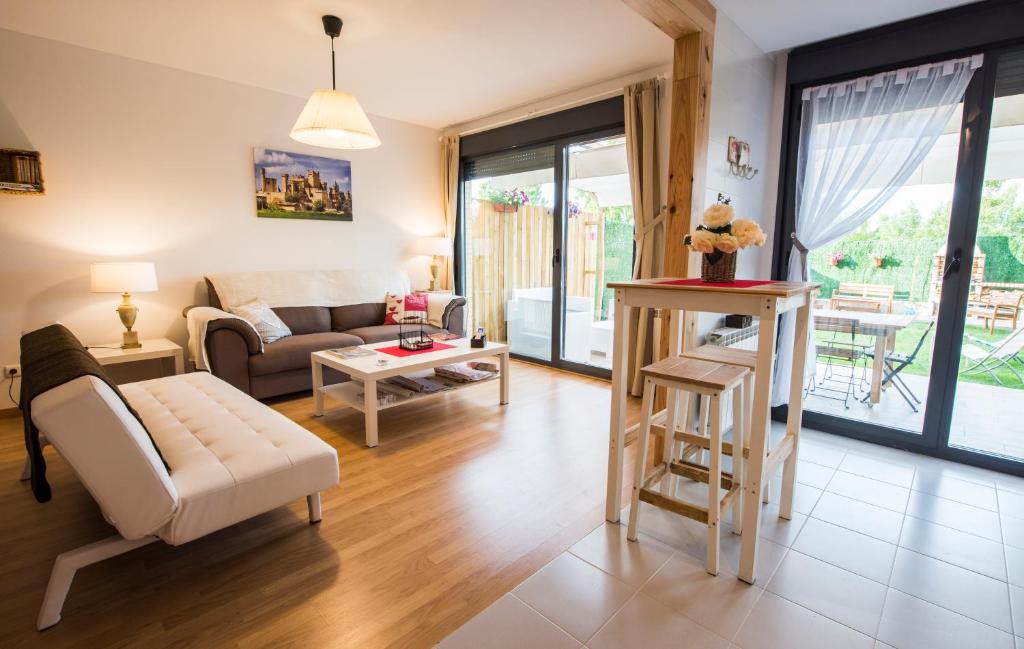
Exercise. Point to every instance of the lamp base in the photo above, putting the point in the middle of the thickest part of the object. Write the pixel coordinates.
(130, 340)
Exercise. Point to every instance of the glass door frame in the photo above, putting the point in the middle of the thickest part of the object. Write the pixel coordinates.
(563, 129)
(951, 317)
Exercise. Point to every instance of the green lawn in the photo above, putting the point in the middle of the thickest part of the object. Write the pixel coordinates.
(314, 216)
(907, 338)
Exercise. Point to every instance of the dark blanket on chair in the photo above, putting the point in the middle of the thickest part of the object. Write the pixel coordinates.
(50, 357)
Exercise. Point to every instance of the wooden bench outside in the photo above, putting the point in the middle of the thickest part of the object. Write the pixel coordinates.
(851, 296)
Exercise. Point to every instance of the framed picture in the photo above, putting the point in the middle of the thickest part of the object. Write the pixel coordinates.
(21, 172)
(302, 186)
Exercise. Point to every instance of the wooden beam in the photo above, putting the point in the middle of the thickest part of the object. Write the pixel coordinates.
(677, 17)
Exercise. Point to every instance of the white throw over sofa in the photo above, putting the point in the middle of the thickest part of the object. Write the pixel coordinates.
(231, 458)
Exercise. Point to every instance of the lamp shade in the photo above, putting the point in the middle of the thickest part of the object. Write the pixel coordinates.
(123, 277)
(334, 119)
(433, 247)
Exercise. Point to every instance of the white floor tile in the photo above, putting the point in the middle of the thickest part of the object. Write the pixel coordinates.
(805, 497)
(1013, 531)
(898, 473)
(574, 595)
(881, 645)
(965, 518)
(1017, 606)
(911, 623)
(1015, 566)
(776, 623)
(634, 563)
(643, 622)
(860, 517)
(978, 597)
(1010, 482)
(779, 530)
(818, 453)
(860, 554)
(953, 546)
(1011, 503)
(509, 624)
(814, 475)
(835, 593)
(718, 603)
(961, 491)
(868, 490)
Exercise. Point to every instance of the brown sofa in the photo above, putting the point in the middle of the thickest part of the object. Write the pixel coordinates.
(283, 367)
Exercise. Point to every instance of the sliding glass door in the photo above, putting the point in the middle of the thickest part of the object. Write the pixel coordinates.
(920, 323)
(543, 229)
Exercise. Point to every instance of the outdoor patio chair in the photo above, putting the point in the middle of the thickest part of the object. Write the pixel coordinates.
(988, 357)
(895, 363)
(837, 353)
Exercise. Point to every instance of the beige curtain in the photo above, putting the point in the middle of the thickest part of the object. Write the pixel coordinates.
(641, 104)
(449, 199)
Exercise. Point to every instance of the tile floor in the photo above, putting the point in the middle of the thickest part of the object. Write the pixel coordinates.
(886, 550)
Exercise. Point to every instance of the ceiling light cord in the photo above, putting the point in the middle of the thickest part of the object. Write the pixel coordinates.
(334, 85)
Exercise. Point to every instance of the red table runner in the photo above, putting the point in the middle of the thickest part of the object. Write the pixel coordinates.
(401, 353)
(696, 281)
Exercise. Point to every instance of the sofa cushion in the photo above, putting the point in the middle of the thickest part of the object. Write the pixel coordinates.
(383, 333)
(292, 353)
(231, 456)
(352, 316)
(110, 452)
(305, 319)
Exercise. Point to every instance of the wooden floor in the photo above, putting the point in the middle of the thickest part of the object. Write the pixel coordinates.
(461, 501)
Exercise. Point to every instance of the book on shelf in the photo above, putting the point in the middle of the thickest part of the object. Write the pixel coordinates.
(421, 384)
(461, 373)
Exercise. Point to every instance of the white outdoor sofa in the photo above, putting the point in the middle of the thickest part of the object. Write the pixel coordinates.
(231, 458)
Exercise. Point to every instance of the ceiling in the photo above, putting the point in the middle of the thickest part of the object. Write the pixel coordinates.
(784, 24)
(432, 63)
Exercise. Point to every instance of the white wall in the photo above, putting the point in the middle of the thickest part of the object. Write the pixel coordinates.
(143, 162)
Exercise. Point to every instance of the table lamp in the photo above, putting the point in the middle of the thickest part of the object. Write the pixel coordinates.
(124, 278)
(435, 247)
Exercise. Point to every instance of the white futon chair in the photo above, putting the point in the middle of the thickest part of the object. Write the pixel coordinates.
(231, 458)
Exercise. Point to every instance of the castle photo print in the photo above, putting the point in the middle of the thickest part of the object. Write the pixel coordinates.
(302, 186)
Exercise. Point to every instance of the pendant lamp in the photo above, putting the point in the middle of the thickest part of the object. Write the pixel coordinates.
(333, 118)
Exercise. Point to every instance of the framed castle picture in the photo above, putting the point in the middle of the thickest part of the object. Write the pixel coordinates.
(302, 186)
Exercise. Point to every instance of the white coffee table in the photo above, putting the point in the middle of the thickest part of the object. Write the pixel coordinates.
(366, 371)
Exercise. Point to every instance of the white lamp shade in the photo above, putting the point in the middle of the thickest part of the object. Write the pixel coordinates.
(334, 119)
(433, 247)
(123, 277)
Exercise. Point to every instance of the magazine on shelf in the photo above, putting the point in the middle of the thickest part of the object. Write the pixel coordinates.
(461, 373)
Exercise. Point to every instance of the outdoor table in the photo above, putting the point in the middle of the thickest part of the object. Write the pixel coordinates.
(762, 299)
(883, 326)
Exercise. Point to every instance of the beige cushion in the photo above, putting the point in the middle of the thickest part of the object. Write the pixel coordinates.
(111, 453)
(231, 457)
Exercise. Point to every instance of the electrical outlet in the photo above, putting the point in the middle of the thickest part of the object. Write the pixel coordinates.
(11, 371)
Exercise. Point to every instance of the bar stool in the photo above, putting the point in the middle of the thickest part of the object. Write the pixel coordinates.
(697, 377)
(730, 356)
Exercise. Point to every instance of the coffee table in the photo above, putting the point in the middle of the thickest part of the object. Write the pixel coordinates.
(366, 371)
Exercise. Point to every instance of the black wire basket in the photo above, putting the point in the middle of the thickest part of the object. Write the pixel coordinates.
(412, 336)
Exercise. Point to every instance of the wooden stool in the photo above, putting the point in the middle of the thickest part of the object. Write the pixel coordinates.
(691, 376)
(729, 356)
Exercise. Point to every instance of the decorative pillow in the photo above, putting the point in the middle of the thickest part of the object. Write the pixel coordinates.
(405, 308)
(263, 320)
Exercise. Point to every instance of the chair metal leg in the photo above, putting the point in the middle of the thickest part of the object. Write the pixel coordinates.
(68, 563)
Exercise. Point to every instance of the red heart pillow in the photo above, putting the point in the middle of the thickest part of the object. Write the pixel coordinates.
(408, 308)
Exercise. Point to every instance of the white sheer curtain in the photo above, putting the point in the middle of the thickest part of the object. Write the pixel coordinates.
(860, 140)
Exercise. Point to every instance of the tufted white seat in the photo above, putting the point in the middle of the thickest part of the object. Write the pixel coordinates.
(230, 457)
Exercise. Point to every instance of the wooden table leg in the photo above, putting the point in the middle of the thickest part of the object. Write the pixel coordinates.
(370, 411)
(617, 423)
(318, 382)
(504, 378)
(877, 367)
(758, 438)
(672, 401)
(179, 362)
(796, 397)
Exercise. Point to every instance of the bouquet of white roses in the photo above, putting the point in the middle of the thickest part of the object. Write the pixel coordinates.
(721, 232)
